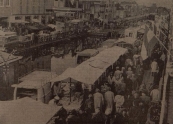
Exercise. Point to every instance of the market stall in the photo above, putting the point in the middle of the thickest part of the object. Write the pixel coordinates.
(85, 54)
(26, 111)
(35, 85)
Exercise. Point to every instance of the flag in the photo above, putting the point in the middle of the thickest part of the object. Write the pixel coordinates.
(145, 44)
(152, 44)
(149, 41)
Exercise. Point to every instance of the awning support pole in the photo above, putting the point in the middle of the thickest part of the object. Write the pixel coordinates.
(70, 89)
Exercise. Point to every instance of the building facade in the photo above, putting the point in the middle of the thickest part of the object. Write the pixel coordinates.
(25, 10)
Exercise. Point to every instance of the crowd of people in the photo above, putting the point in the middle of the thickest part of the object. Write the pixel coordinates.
(122, 97)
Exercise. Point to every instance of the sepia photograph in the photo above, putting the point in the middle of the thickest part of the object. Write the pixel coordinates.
(86, 61)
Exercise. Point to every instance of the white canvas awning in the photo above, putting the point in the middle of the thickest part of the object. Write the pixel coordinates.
(89, 71)
(26, 111)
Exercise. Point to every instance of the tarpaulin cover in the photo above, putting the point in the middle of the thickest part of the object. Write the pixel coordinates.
(128, 40)
(88, 52)
(30, 84)
(111, 55)
(38, 75)
(108, 43)
(88, 72)
(83, 73)
(26, 111)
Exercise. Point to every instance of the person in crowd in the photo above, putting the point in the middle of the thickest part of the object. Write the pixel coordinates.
(78, 90)
(160, 71)
(154, 67)
(98, 100)
(108, 114)
(109, 99)
(54, 101)
(123, 116)
(84, 118)
(128, 83)
(105, 86)
(111, 79)
(98, 117)
(135, 84)
(117, 72)
(144, 98)
(136, 96)
(119, 101)
(89, 104)
(134, 113)
(123, 86)
(155, 94)
(117, 84)
(72, 117)
(128, 63)
(61, 115)
(123, 70)
(129, 72)
(143, 113)
(56, 89)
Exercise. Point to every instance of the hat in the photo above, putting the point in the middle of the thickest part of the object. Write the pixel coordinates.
(108, 111)
(97, 110)
(90, 95)
(56, 98)
(144, 91)
(123, 109)
(117, 67)
(97, 90)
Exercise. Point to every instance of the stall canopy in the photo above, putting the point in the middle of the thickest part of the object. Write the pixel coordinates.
(75, 21)
(142, 31)
(99, 64)
(111, 55)
(83, 73)
(26, 111)
(38, 76)
(90, 70)
(108, 43)
(128, 40)
(88, 52)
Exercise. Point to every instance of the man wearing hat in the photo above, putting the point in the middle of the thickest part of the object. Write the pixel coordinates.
(117, 72)
(144, 98)
(89, 104)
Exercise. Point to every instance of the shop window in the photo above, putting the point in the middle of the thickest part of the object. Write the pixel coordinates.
(18, 18)
(1, 3)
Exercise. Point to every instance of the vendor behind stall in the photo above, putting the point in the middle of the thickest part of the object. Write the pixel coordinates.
(78, 91)
(54, 101)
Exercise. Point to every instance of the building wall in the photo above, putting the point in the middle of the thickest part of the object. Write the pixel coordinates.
(25, 7)
(6, 10)
(59, 3)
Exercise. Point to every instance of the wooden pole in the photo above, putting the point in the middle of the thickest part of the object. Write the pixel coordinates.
(70, 89)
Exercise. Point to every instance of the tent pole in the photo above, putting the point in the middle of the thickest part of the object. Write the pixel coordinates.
(70, 89)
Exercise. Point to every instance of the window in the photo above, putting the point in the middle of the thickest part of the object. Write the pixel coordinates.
(1, 3)
(7, 3)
